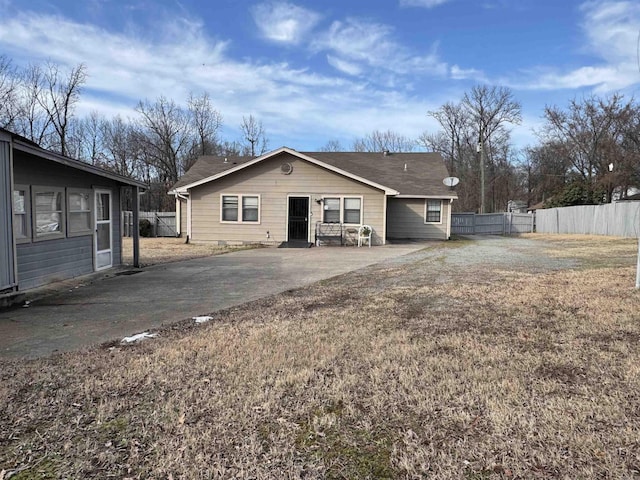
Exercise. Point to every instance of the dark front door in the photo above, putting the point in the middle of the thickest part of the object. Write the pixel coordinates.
(298, 218)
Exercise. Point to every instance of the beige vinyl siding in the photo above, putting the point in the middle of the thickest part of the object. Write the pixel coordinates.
(406, 219)
(183, 217)
(266, 179)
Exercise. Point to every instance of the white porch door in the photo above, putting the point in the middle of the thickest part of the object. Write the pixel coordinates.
(104, 241)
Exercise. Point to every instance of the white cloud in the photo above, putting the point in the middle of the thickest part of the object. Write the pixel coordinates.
(422, 3)
(372, 44)
(458, 73)
(284, 22)
(611, 35)
(344, 66)
(296, 105)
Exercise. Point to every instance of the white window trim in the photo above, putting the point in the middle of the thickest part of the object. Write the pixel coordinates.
(240, 197)
(426, 205)
(27, 212)
(88, 231)
(341, 199)
(34, 214)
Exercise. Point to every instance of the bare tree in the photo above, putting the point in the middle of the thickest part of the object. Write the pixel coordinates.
(206, 122)
(58, 98)
(122, 148)
(166, 137)
(592, 134)
(33, 122)
(489, 110)
(8, 93)
(254, 137)
(379, 141)
(332, 146)
(227, 148)
(86, 140)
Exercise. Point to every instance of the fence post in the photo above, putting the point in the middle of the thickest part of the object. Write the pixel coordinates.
(533, 221)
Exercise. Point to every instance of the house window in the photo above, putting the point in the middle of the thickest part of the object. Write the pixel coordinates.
(342, 210)
(434, 211)
(21, 223)
(331, 210)
(229, 208)
(250, 209)
(79, 212)
(352, 210)
(250, 205)
(48, 208)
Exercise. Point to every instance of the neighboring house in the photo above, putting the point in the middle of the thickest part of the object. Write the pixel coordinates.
(60, 218)
(289, 196)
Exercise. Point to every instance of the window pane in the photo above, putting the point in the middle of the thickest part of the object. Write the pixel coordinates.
(249, 209)
(79, 221)
(48, 212)
(104, 236)
(19, 214)
(230, 208)
(433, 210)
(331, 210)
(79, 215)
(79, 202)
(18, 201)
(352, 203)
(103, 207)
(351, 210)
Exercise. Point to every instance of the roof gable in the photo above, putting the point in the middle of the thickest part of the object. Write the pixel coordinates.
(398, 174)
(25, 145)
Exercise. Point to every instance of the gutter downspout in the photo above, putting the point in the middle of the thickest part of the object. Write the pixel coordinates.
(15, 284)
(179, 197)
(449, 219)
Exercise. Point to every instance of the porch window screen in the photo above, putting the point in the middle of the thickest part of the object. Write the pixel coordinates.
(49, 213)
(249, 209)
(230, 208)
(331, 210)
(434, 211)
(352, 210)
(21, 214)
(79, 212)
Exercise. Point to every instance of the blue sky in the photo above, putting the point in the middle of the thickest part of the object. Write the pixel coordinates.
(331, 70)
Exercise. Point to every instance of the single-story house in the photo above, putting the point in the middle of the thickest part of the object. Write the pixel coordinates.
(291, 196)
(60, 218)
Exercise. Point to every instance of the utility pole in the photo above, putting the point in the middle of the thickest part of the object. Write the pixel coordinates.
(480, 150)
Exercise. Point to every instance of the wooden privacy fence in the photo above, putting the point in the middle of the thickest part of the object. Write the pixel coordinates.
(163, 224)
(618, 219)
(491, 223)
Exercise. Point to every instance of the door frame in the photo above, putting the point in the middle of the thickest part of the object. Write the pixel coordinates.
(286, 223)
(97, 192)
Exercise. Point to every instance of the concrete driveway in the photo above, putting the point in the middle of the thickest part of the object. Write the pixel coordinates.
(114, 306)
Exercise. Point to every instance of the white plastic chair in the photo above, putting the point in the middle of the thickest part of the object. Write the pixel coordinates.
(364, 234)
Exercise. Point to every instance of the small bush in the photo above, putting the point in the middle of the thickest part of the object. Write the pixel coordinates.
(145, 228)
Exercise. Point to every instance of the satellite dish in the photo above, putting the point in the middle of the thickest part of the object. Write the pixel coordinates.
(451, 181)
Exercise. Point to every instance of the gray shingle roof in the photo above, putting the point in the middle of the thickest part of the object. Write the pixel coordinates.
(423, 175)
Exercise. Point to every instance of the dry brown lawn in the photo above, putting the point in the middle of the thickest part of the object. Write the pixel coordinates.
(163, 250)
(496, 373)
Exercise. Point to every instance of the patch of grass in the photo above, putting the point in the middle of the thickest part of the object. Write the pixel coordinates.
(163, 250)
(415, 370)
(45, 470)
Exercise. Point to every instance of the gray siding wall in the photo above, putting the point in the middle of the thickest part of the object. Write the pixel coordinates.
(40, 263)
(265, 179)
(405, 219)
(46, 261)
(7, 279)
